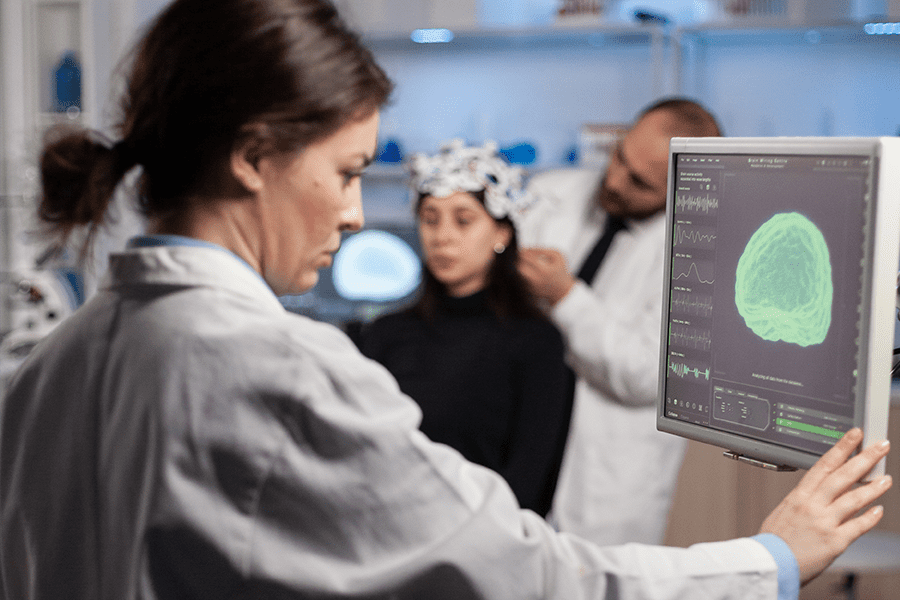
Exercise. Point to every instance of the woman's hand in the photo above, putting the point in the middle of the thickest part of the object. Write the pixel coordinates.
(818, 519)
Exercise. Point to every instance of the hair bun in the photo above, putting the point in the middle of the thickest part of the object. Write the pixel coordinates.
(78, 177)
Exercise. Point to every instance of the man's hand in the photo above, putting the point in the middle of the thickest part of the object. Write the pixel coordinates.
(545, 271)
(817, 519)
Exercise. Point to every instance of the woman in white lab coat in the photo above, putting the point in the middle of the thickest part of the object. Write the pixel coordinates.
(183, 436)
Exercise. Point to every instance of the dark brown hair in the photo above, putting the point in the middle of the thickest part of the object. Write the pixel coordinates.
(507, 291)
(210, 76)
(690, 118)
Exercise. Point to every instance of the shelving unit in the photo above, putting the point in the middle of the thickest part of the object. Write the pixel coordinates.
(692, 46)
(533, 39)
(674, 55)
(742, 31)
(42, 32)
(35, 36)
(553, 36)
(822, 32)
(655, 61)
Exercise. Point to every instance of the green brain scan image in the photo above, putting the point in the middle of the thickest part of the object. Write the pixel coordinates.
(783, 288)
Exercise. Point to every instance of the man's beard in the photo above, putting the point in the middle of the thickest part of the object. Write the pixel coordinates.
(611, 202)
(616, 205)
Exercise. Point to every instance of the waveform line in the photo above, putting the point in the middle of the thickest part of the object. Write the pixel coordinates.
(690, 338)
(683, 370)
(696, 270)
(703, 204)
(694, 236)
(699, 304)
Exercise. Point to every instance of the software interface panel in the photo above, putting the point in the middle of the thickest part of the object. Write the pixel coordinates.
(765, 295)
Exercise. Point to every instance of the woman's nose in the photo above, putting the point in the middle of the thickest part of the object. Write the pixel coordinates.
(444, 232)
(352, 218)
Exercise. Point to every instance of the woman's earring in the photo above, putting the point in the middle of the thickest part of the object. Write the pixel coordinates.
(499, 248)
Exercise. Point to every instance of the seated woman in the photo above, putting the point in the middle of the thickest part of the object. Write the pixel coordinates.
(475, 352)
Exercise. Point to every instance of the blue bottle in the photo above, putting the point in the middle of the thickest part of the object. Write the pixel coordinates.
(523, 153)
(68, 83)
(392, 152)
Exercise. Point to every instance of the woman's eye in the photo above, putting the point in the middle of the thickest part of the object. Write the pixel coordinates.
(349, 176)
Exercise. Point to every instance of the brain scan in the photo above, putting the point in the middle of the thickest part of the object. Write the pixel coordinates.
(783, 287)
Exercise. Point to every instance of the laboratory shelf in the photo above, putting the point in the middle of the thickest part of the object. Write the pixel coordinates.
(765, 33)
(553, 36)
(737, 31)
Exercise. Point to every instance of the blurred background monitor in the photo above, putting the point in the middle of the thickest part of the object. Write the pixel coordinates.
(377, 270)
(780, 296)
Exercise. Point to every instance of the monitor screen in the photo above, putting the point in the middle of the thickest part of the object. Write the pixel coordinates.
(780, 293)
(375, 271)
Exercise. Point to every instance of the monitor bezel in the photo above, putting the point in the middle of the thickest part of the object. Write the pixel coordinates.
(880, 276)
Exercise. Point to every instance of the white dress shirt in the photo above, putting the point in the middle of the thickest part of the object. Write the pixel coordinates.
(618, 473)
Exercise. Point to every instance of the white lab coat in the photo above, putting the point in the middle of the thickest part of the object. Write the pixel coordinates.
(183, 436)
(619, 473)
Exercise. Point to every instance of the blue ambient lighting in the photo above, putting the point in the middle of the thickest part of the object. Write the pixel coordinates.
(431, 36)
(882, 28)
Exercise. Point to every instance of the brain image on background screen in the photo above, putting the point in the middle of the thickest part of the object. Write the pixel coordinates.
(783, 288)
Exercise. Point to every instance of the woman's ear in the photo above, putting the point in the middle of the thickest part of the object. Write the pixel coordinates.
(254, 143)
(244, 167)
(506, 233)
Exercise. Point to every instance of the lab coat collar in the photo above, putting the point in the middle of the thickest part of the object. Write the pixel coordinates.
(189, 266)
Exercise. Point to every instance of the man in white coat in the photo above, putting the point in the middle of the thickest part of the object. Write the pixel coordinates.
(618, 472)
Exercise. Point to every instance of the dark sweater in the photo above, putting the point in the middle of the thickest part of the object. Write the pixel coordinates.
(494, 390)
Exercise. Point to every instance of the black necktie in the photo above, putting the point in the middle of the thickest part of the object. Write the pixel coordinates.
(592, 262)
(586, 273)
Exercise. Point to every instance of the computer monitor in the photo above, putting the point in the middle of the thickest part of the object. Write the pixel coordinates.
(780, 293)
(376, 270)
